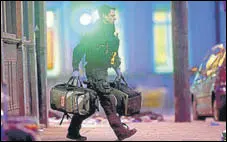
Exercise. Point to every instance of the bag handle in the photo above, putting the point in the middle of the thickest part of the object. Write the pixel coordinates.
(122, 78)
(72, 79)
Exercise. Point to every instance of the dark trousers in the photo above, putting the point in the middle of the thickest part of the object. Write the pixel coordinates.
(75, 124)
(107, 102)
(110, 111)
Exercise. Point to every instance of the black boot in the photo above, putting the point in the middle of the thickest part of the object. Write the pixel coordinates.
(127, 135)
(74, 128)
(78, 137)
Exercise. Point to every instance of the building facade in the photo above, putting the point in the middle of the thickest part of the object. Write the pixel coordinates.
(20, 57)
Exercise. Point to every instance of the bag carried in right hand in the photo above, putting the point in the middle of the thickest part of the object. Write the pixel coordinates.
(68, 98)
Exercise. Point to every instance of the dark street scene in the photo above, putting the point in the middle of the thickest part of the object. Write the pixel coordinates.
(113, 70)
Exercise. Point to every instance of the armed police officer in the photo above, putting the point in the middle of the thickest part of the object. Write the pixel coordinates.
(101, 49)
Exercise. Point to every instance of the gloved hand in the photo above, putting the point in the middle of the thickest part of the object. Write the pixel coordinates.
(76, 73)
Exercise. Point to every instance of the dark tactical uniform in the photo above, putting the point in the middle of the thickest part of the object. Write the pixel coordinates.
(101, 49)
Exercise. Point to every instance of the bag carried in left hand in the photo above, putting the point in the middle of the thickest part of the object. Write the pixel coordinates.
(129, 100)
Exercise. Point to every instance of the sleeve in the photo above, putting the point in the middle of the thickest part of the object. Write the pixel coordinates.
(115, 59)
(78, 53)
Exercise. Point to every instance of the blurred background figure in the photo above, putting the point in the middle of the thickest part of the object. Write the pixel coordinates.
(16, 128)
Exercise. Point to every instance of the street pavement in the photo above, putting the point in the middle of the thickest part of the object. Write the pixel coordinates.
(166, 130)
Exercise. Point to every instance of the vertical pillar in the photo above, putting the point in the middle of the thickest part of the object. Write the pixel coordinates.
(217, 20)
(180, 54)
(32, 62)
(2, 66)
(40, 37)
(20, 74)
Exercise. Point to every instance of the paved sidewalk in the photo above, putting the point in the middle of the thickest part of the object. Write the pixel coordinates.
(167, 130)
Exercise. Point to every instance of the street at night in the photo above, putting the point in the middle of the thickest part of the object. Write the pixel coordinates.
(167, 130)
(113, 70)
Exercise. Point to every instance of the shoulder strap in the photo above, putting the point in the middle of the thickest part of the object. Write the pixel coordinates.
(67, 116)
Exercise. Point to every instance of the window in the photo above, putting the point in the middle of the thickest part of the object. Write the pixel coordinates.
(162, 34)
(25, 19)
(10, 17)
(3, 15)
(215, 60)
(54, 53)
(50, 40)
